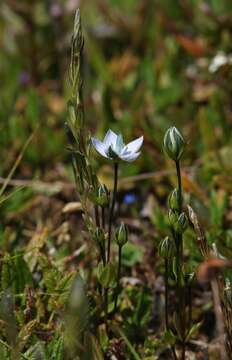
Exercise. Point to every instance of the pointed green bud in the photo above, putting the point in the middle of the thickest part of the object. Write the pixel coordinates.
(102, 195)
(121, 235)
(166, 248)
(172, 217)
(99, 195)
(182, 223)
(173, 201)
(174, 143)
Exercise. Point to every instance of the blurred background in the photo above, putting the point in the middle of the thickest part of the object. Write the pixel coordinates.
(148, 64)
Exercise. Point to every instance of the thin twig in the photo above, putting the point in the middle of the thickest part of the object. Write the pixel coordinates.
(111, 215)
(16, 163)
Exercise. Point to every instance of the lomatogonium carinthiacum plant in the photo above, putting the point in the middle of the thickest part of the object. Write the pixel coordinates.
(174, 145)
(115, 150)
(94, 197)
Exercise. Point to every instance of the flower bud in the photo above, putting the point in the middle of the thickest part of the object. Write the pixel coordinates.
(172, 217)
(102, 195)
(121, 234)
(182, 223)
(173, 200)
(166, 248)
(174, 143)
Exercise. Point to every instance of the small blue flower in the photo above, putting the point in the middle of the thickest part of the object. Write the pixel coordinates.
(129, 198)
(113, 147)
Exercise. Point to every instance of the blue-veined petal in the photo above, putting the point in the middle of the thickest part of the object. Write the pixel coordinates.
(130, 157)
(119, 144)
(134, 145)
(110, 139)
(100, 147)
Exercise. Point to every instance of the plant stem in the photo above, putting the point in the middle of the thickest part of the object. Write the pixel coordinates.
(179, 186)
(183, 351)
(118, 277)
(179, 259)
(103, 217)
(190, 305)
(106, 308)
(109, 234)
(103, 227)
(166, 304)
(111, 215)
(166, 293)
(103, 254)
(97, 216)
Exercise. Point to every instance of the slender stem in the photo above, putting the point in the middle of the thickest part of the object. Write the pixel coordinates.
(183, 351)
(106, 308)
(190, 305)
(111, 215)
(118, 277)
(179, 186)
(166, 294)
(101, 246)
(103, 227)
(103, 216)
(97, 220)
(179, 257)
(103, 254)
(166, 304)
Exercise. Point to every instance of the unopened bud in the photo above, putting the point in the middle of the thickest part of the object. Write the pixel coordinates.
(166, 248)
(102, 195)
(173, 200)
(121, 234)
(182, 223)
(174, 143)
(172, 217)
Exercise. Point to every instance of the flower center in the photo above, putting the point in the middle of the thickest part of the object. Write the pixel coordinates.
(112, 153)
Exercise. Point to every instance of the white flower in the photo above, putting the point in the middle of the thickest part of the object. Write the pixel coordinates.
(113, 147)
(219, 60)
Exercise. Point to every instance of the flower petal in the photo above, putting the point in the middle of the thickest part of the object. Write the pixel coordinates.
(100, 147)
(134, 145)
(110, 138)
(130, 157)
(118, 147)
